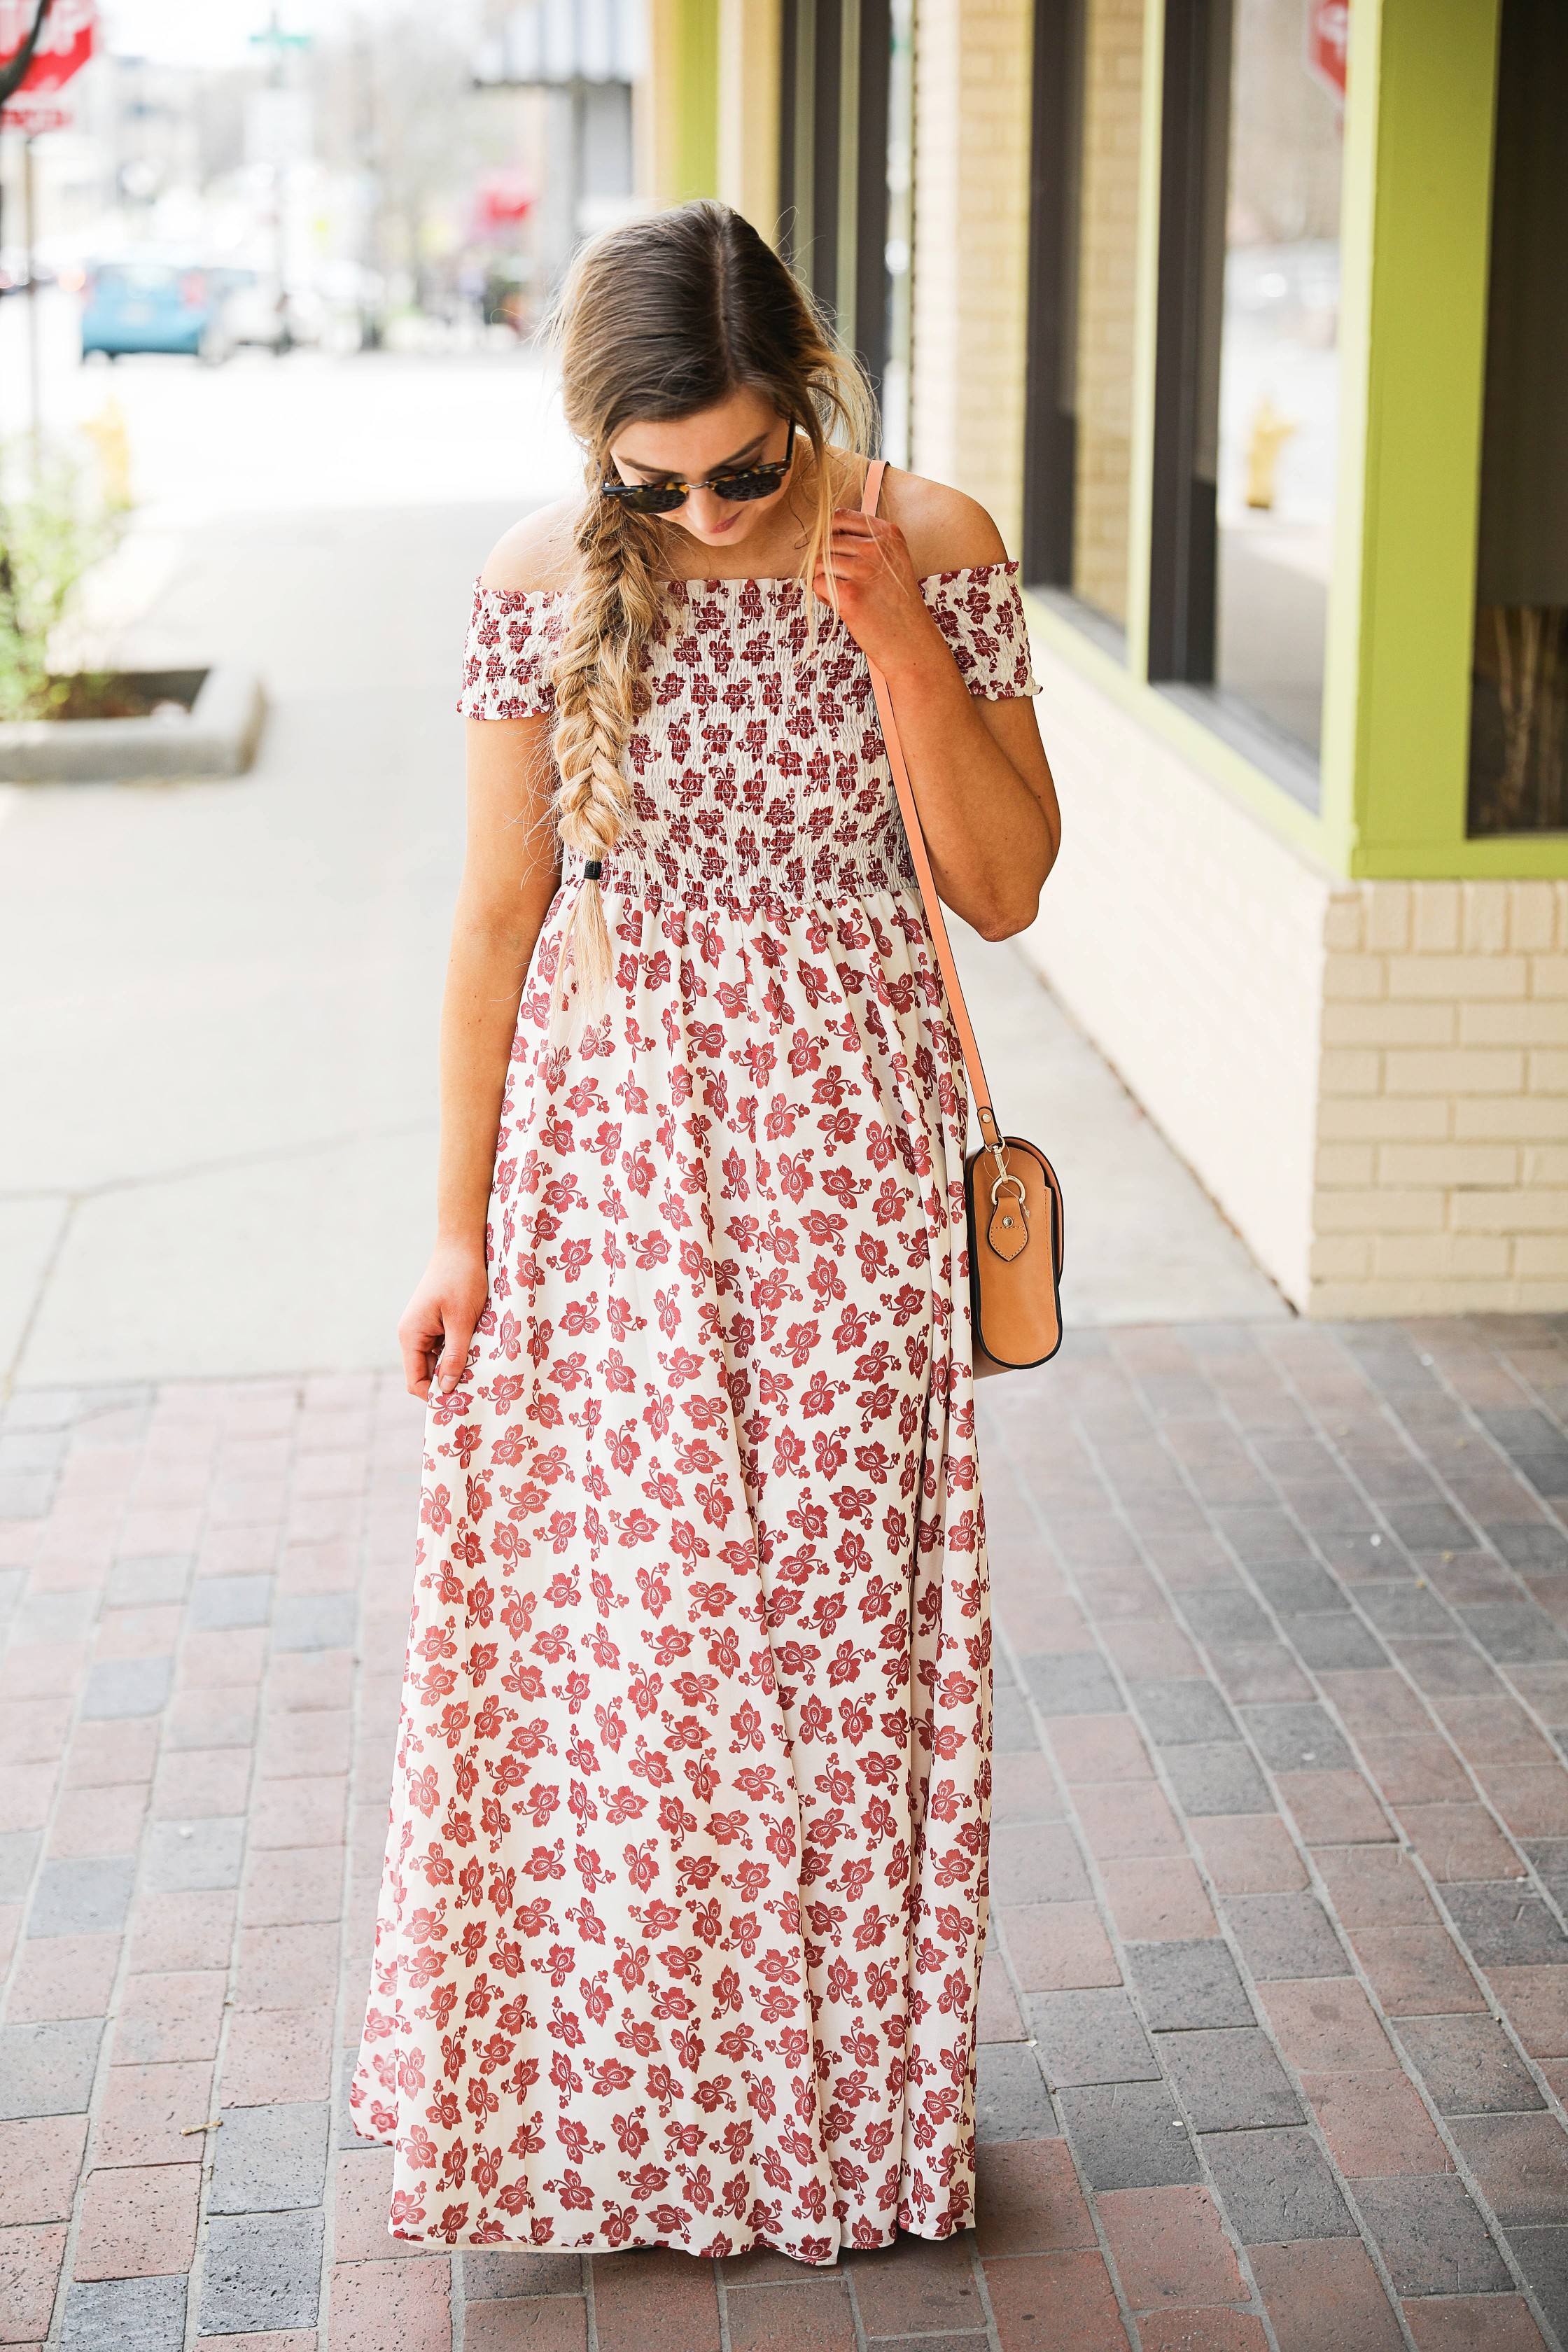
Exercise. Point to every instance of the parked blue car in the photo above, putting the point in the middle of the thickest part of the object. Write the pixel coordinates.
(147, 305)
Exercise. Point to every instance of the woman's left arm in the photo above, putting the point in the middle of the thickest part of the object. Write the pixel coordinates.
(981, 778)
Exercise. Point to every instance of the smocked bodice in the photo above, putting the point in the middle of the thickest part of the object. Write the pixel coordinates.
(757, 767)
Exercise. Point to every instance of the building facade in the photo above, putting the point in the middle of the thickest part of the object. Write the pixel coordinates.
(1244, 318)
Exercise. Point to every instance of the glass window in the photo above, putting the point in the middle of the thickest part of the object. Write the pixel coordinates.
(1278, 376)
(1083, 249)
(1518, 711)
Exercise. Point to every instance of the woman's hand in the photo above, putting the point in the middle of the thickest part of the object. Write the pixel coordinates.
(438, 1326)
(878, 593)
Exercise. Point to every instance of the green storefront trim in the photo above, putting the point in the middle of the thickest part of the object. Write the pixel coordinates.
(694, 32)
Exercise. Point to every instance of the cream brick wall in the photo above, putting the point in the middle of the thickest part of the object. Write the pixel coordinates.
(1442, 1164)
(971, 249)
(1370, 1079)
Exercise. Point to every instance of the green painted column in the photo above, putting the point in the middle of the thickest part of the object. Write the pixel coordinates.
(1415, 237)
(694, 150)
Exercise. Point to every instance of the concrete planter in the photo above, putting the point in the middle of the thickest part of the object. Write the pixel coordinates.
(218, 738)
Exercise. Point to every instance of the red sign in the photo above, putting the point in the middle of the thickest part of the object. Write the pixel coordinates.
(30, 115)
(68, 40)
(1328, 39)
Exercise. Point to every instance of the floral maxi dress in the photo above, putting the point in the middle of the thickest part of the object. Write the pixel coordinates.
(685, 1892)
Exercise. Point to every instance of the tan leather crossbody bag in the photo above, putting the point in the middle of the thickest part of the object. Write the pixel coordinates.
(1010, 1189)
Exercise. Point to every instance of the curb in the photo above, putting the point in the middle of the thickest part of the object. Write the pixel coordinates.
(219, 739)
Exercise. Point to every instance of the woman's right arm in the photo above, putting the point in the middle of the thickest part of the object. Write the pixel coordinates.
(510, 876)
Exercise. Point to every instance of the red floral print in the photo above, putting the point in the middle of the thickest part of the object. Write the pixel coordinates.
(685, 1894)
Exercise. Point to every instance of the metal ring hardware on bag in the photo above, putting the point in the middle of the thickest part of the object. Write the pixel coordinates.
(1014, 1294)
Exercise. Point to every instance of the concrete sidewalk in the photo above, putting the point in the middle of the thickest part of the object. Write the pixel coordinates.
(1274, 2008)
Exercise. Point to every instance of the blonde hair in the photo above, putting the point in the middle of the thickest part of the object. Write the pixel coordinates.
(657, 322)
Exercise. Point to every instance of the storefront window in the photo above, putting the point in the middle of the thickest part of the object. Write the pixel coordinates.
(1083, 245)
(1278, 376)
(1518, 725)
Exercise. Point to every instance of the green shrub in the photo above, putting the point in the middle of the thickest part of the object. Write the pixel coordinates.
(53, 530)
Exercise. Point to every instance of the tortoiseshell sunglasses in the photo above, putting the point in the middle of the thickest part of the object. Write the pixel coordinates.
(663, 498)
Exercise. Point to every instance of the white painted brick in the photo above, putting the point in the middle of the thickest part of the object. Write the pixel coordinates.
(1512, 1119)
(1539, 1211)
(1346, 1163)
(1355, 978)
(1413, 1257)
(1560, 901)
(1391, 1025)
(1379, 1118)
(1531, 922)
(1549, 975)
(1346, 1073)
(1343, 925)
(1447, 1164)
(1531, 1023)
(1387, 916)
(1535, 1254)
(1486, 918)
(1345, 1257)
(1380, 1210)
(1459, 978)
(1464, 1071)
(1436, 918)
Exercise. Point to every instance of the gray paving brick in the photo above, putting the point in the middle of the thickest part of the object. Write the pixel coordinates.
(1285, 1935)
(1181, 1714)
(227, 1604)
(12, 1584)
(54, 1617)
(1090, 2037)
(263, 2272)
(1530, 1546)
(185, 1857)
(1542, 2256)
(1072, 1682)
(128, 2314)
(1299, 1589)
(1227, 1613)
(323, 1621)
(1189, 1986)
(1332, 1640)
(1298, 1738)
(497, 2278)
(1012, 1725)
(1011, 2101)
(1515, 1632)
(1229, 2081)
(127, 1686)
(1432, 2236)
(22, 1450)
(26, 1495)
(1407, 1609)
(47, 2070)
(1128, 2136)
(1038, 1864)
(1277, 2186)
(1429, 1527)
(269, 2158)
(1445, 1668)
(82, 1898)
(1506, 1926)
(1216, 1778)
(149, 1579)
(1470, 2066)
(18, 1852)
(42, 1409)
(211, 1719)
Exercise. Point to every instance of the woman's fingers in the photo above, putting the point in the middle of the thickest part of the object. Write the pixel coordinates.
(455, 1353)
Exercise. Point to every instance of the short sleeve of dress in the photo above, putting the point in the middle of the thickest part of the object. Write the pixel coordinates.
(513, 638)
(981, 614)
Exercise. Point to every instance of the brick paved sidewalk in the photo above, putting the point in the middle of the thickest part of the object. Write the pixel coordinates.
(1276, 2012)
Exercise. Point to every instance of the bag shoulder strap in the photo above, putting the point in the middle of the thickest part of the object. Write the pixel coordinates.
(979, 1091)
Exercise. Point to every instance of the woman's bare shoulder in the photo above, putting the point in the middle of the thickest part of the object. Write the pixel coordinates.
(946, 530)
(536, 553)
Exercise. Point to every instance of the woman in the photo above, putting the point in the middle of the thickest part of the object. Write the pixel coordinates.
(685, 1892)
